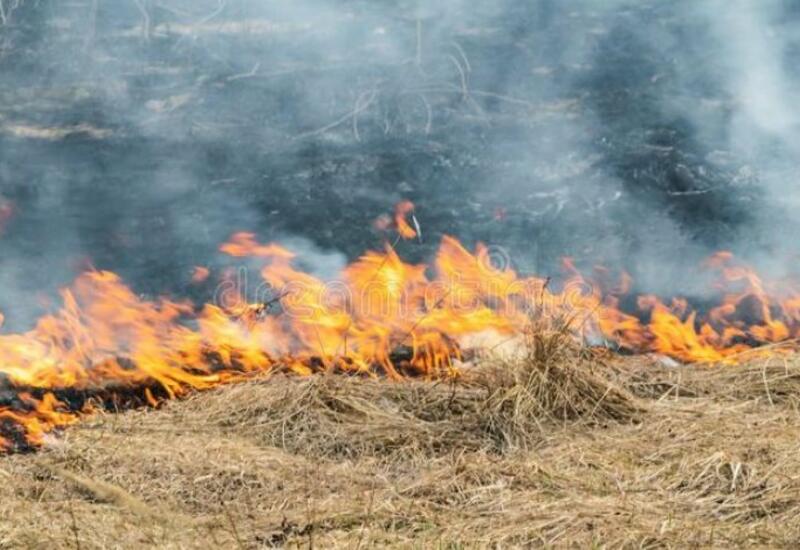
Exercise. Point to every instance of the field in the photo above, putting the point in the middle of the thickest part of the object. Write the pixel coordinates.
(564, 446)
(655, 139)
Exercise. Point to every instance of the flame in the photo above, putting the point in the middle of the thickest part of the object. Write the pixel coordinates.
(106, 347)
(200, 274)
(401, 211)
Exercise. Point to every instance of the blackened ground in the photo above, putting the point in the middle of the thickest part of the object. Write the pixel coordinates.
(528, 125)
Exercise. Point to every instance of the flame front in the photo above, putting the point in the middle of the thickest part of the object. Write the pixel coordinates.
(107, 347)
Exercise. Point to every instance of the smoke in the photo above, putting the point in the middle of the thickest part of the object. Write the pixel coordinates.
(755, 50)
(135, 135)
(748, 62)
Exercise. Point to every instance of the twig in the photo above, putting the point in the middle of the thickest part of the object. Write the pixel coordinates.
(5, 12)
(417, 228)
(221, 4)
(262, 307)
(545, 286)
(502, 97)
(338, 122)
(463, 56)
(73, 520)
(691, 193)
(366, 519)
(357, 109)
(419, 321)
(464, 89)
(760, 349)
(429, 123)
(249, 74)
(311, 521)
(235, 531)
(418, 59)
(145, 19)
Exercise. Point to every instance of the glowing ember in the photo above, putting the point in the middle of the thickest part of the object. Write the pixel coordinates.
(107, 347)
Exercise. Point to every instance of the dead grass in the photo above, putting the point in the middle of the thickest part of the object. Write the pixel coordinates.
(558, 448)
(773, 380)
(498, 407)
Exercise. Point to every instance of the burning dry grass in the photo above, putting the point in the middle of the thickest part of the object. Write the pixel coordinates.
(496, 408)
(553, 448)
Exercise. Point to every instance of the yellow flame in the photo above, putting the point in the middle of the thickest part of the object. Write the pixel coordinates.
(382, 317)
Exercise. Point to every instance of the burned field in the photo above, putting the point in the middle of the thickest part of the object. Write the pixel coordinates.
(345, 274)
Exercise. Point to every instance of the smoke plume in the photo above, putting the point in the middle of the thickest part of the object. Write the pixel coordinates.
(136, 135)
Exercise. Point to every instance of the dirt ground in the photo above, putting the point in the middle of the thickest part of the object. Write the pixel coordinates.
(578, 450)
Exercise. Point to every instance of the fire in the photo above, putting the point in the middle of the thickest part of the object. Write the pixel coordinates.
(200, 274)
(106, 347)
(401, 212)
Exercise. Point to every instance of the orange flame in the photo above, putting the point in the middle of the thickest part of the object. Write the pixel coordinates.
(401, 211)
(200, 274)
(107, 347)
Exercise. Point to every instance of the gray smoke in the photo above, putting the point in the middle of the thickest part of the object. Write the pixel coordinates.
(136, 135)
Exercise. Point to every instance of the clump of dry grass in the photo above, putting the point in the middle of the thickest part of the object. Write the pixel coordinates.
(554, 378)
(497, 405)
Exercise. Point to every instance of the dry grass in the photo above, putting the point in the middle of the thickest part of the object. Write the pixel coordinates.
(495, 408)
(559, 447)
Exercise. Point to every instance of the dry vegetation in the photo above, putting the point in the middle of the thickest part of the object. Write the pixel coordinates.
(563, 447)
